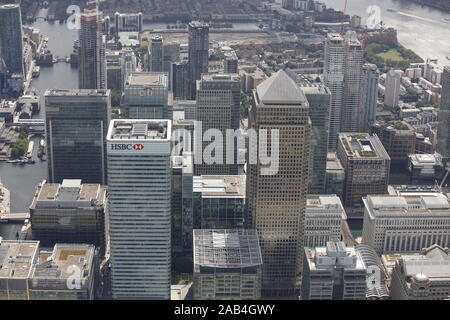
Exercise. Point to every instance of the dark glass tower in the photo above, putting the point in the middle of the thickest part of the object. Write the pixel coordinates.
(11, 50)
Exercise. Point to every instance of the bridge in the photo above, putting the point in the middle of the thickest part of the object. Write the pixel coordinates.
(35, 125)
(14, 217)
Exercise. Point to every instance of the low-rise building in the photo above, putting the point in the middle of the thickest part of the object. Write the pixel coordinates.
(333, 272)
(324, 215)
(334, 176)
(397, 224)
(425, 168)
(227, 265)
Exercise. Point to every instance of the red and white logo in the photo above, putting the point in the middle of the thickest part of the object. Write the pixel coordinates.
(138, 147)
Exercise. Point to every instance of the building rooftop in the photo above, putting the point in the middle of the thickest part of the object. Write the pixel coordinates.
(69, 194)
(222, 248)
(334, 254)
(320, 205)
(77, 92)
(220, 186)
(184, 163)
(17, 258)
(425, 159)
(363, 145)
(151, 79)
(135, 129)
(280, 89)
(428, 205)
(333, 162)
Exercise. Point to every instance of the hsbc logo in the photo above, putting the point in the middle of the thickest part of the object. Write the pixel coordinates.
(138, 147)
(129, 146)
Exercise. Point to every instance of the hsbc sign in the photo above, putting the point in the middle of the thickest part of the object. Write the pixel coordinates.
(127, 146)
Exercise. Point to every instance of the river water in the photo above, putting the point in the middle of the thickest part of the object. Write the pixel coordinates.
(420, 29)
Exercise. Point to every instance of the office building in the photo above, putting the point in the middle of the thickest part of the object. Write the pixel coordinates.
(180, 83)
(319, 98)
(397, 137)
(65, 273)
(334, 176)
(425, 168)
(377, 285)
(369, 99)
(198, 54)
(155, 54)
(333, 75)
(277, 199)
(230, 60)
(182, 196)
(128, 22)
(333, 272)
(70, 212)
(227, 265)
(352, 83)
(443, 132)
(91, 53)
(11, 46)
(139, 189)
(323, 222)
(422, 276)
(218, 108)
(396, 224)
(146, 96)
(392, 85)
(76, 126)
(219, 202)
(366, 164)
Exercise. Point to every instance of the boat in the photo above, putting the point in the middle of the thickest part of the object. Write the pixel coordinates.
(392, 10)
(446, 19)
(36, 71)
(13, 161)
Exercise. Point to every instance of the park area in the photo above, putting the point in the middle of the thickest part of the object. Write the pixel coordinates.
(387, 58)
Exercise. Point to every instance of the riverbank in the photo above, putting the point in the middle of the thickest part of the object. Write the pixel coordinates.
(437, 4)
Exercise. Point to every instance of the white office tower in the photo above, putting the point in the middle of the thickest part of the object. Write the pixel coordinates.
(392, 85)
(139, 173)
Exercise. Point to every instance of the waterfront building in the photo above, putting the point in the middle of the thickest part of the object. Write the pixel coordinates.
(422, 276)
(91, 53)
(227, 265)
(396, 224)
(369, 99)
(392, 85)
(11, 43)
(397, 137)
(318, 98)
(32, 274)
(334, 176)
(367, 165)
(277, 200)
(76, 126)
(198, 54)
(139, 196)
(333, 272)
(128, 22)
(324, 215)
(443, 132)
(219, 202)
(218, 107)
(146, 96)
(70, 212)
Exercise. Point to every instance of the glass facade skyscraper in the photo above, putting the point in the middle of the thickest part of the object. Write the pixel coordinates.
(76, 124)
(11, 48)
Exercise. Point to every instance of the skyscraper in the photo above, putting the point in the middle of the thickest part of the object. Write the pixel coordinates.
(392, 84)
(318, 98)
(155, 54)
(139, 186)
(333, 74)
(369, 99)
(276, 202)
(198, 54)
(352, 83)
(343, 75)
(146, 96)
(218, 107)
(11, 37)
(76, 125)
(443, 134)
(92, 60)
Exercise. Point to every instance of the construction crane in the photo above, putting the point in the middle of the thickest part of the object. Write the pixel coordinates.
(343, 18)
